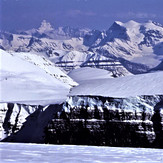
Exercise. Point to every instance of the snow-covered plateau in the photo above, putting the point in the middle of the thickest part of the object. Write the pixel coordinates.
(76, 154)
(128, 86)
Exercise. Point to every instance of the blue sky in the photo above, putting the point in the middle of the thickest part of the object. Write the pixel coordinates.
(94, 14)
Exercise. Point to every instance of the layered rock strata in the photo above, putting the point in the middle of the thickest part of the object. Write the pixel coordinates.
(108, 121)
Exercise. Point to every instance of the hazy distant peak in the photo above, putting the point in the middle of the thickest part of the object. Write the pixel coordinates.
(128, 24)
(45, 27)
(132, 24)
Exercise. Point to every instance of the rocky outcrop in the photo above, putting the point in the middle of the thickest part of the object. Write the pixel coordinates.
(108, 121)
(25, 123)
(12, 117)
(87, 120)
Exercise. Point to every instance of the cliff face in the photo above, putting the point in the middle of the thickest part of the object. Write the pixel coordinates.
(25, 123)
(12, 117)
(109, 121)
(87, 120)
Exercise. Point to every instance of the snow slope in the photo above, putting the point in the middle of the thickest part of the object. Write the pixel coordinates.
(76, 154)
(45, 64)
(87, 73)
(24, 82)
(134, 85)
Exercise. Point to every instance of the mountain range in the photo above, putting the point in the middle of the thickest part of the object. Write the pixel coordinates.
(125, 48)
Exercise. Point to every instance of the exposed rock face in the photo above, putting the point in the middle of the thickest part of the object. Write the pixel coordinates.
(25, 123)
(12, 117)
(87, 120)
(107, 121)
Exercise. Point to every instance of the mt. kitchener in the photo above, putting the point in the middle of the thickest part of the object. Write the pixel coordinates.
(125, 48)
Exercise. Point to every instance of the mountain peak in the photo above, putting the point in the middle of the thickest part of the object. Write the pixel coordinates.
(45, 27)
(128, 24)
(131, 24)
(118, 23)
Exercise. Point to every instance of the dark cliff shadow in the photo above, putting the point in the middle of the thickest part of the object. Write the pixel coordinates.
(157, 120)
(7, 124)
(32, 130)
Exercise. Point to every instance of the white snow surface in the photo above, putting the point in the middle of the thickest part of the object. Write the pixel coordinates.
(45, 64)
(76, 154)
(25, 82)
(88, 73)
(128, 86)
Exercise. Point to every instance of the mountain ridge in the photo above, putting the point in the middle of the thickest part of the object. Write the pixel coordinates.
(139, 44)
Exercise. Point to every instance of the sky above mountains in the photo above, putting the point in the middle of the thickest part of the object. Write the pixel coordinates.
(94, 14)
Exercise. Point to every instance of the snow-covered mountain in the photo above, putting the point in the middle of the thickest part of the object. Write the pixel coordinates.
(45, 64)
(31, 79)
(136, 42)
(46, 30)
(75, 59)
(123, 49)
(29, 83)
(28, 43)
